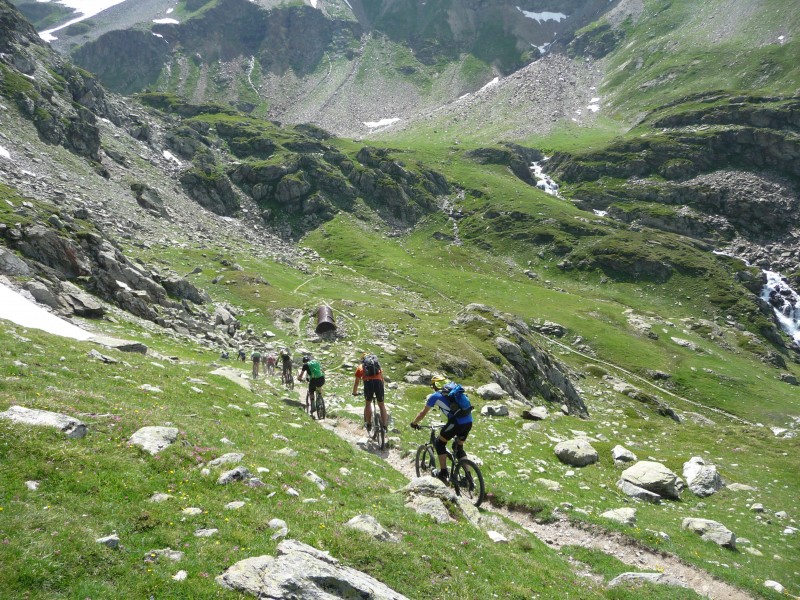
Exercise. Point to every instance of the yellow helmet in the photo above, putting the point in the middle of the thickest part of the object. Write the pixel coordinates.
(437, 381)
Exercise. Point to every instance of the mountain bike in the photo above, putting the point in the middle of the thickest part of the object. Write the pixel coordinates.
(316, 404)
(287, 378)
(376, 428)
(464, 474)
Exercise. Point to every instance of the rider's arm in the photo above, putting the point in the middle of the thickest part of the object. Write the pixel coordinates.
(357, 381)
(421, 415)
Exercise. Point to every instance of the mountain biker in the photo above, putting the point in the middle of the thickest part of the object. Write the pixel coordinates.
(458, 423)
(316, 379)
(286, 365)
(271, 361)
(241, 355)
(373, 388)
(256, 356)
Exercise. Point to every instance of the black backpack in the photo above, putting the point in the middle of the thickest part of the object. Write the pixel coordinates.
(371, 364)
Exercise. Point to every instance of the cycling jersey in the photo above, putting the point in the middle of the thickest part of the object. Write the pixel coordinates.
(442, 402)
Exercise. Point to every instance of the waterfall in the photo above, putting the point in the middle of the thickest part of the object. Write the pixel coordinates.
(544, 182)
(785, 302)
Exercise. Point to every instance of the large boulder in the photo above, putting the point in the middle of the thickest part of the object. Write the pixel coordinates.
(634, 491)
(653, 477)
(622, 455)
(492, 391)
(72, 427)
(302, 571)
(702, 479)
(576, 453)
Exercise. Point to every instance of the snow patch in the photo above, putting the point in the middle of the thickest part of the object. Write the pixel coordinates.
(16, 308)
(492, 83)
(86, 9)
(601, 213)
(544, 47)
(381, 123)
(541, 17)
(169, 11)
(314, 3)
(158, 35)
(166, 21)
(170, 156)
(4, 153)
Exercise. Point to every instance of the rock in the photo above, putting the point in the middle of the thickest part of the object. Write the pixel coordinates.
(168, 553)
(236, 504)
(32, 485)
(653, 477)
(192, 511)
(781, 514)
(429, 486)
(634, 491)
(369, 525)
(622, 455)
(703, 480)
(112, 541)
(576, 453)
(626, 516)
(180, 576)
(538, 413)
(237, 474)
(226, 459)
(154, 439)
(102, 357)
(492, 391)
(11, 264)
(73, 428)
(549, 484)
(159, 497)
(316, 479)
(774, 585)
(638, 578)
(757, 508)
(206, 532)
(698, 418)
(711, 531)
(302, 571)
(434, 507)
(497, 538)
(421, 377)
(740, 487)
(499, 410)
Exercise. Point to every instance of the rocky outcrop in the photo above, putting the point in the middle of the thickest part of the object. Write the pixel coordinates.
(653, 477)
(71, 427)
(302, 571)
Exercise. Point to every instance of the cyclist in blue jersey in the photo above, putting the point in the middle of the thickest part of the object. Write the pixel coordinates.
(450, 398)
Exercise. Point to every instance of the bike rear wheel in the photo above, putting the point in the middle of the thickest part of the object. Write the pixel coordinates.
(377, 428)
(468, 481)
(320, 406)
(425, 460)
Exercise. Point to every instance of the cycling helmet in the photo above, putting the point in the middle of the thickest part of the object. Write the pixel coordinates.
(437, 381)
(306, 358)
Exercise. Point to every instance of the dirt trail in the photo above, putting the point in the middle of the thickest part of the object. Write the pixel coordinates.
(564, 533)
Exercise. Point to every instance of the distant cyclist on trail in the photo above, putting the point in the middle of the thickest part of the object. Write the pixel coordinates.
(241, 355)
(369, 371)
(271, 361)
(450, 398)
(256, 356)
(316, 379)
(286, 365)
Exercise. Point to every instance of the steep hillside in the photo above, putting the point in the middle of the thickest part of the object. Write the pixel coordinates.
(591, 328)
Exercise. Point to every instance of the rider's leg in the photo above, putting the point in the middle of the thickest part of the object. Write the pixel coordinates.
(384, 418)
(441, 451)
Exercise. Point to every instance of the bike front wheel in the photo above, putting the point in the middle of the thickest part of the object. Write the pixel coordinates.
(377, 429)
(468, 481)
(425, 460)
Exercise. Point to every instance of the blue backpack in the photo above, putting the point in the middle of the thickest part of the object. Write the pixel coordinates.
(459, 402)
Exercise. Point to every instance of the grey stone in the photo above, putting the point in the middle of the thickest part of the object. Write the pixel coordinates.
(237, 474)
(112, 541)
(73, 428)
(711, 531)
(370, 525)
(538, 413)
(626, 516)
(231, 458)
(168, 553)
(620, 454)
(774, 585)
(634, 491)
(425, 505)
(302, 571)
(154, 439)
(498, 410)
(549, 484)
(703, 480)
(653, 477)
(11, 264)
(576, 453)
(492, 391)
(638, 578)
(740, 487)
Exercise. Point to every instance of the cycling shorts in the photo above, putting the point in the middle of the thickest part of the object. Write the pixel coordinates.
(315, 383)
(373, 388)
(452, 429)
